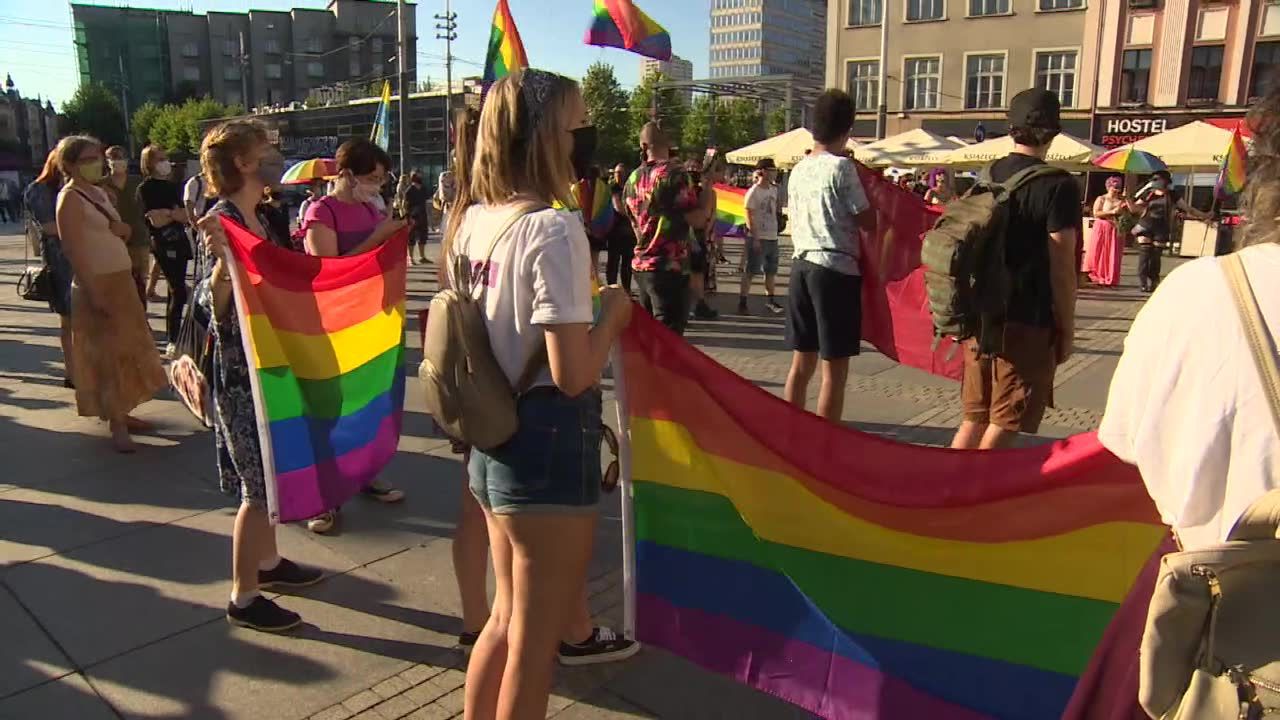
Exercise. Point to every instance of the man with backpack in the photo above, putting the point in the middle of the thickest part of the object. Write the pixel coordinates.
(1002, 278)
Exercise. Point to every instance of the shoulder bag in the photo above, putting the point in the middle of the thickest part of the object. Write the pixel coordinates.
(1211, 648)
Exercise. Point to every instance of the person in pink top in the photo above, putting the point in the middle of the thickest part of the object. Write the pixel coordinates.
(346, 222)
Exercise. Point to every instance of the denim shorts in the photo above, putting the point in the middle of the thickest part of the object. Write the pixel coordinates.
(762, 261)
(551, 464)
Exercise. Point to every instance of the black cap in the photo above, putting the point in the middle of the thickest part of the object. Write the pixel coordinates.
(1035, 108)
(765, 164)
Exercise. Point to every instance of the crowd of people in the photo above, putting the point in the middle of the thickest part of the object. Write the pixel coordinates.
(514, 199)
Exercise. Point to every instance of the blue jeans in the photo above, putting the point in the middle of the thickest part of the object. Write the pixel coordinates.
(551, 464)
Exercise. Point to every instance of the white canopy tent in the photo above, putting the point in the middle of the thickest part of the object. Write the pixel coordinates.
(1194, 146)
(1067, 152)
(785, 150)
(911, 148)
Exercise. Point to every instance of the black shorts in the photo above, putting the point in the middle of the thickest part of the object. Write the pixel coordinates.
(824, 314)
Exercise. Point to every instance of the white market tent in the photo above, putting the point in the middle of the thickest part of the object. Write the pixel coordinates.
(911, 148)
(785, 150)
(1066, 151)
(1194, 146)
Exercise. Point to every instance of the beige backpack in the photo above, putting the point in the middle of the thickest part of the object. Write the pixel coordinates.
(466, 390)
(1211, 648)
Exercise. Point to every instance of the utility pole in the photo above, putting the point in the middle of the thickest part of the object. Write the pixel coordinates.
(402, 54)
(448, 25)
(244, 73)
(124, 104)
(1097, 68)
(882, 113)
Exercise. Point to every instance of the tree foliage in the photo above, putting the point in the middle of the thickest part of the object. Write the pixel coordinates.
(94, 110)
(777, 121)
(607, 103)
(726, 124)
(144, 118)
(177, 128)
(664, 105)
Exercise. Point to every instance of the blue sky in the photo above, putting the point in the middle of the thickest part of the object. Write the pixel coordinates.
(35, 37)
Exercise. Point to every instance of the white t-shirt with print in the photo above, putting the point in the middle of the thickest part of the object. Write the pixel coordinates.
(1187, 404)
(824, 198)
(539, 274)
(762, 206)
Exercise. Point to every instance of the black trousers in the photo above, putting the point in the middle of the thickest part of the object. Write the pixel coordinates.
(618, 261)
(665, 295)
(1149, 266)
(173, 265)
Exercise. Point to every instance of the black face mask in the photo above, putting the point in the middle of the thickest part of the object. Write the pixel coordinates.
(584, 149)
(696, 177)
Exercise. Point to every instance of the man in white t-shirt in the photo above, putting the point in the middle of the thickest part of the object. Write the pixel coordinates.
(828, 208)
(762, 236)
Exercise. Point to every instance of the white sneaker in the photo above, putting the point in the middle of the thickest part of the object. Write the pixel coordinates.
(321, 523)
(170, 351)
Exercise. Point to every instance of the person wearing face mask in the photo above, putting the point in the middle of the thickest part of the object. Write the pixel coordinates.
(166, 218)
(238, 164)
(114, 364)
(122, 188)
(347, 221)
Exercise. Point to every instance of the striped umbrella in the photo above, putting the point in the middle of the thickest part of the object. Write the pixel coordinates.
(1127, 159)
(308, 170)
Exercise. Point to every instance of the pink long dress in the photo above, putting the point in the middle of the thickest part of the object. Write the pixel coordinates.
(1104, 249)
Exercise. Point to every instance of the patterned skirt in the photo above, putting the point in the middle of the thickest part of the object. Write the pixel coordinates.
(114, 362)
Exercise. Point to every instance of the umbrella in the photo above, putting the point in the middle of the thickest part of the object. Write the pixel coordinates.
(1065, 151)
(308, 170)
(913, 147)
(785, 150)
(1128, 159)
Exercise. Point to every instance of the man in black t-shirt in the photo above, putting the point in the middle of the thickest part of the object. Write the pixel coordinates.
(1007, 393)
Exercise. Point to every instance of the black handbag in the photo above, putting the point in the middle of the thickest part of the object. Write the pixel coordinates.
(36, 281)
(171, 240)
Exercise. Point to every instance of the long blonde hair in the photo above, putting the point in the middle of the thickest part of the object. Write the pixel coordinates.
(1260, 202)
(466, 123)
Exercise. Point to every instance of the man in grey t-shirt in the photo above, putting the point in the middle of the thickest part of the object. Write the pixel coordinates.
(828, 207)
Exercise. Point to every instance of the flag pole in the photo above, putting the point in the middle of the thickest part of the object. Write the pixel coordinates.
(624, 483)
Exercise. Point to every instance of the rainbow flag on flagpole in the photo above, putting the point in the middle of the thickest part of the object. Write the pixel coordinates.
(620, 24)
(1234, 170)
(506, 51)
(325, 342)
(856, 576)
(381, 133)
(731, 211)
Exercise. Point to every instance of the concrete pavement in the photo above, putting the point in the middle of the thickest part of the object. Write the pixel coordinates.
(114, 569)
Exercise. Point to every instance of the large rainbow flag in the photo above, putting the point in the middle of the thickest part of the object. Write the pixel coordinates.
(620, 24)
(325, 343)
(1233, 172)
(859, 577)
(506, 51)
(731, 211)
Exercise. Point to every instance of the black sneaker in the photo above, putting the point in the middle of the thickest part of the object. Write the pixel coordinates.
(742, 307)
(263, 615)
(604, 646)
(703, 311)
(467, 640)
(775, 307)
(288, 574)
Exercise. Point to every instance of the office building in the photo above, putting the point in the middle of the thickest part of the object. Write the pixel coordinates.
(676, 69)
(258, 58)
(28, 131)
(756, 38)
(1164, 63)
(953, 65)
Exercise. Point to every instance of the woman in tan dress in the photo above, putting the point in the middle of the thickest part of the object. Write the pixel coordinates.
(115, 363)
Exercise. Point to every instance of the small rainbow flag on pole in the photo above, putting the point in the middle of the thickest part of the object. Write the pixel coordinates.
(620, 24)
(1233, 172)
(506, 51)
(855, 576)
(381, 133)
(596, 204)
(325, 343)
(731, 211)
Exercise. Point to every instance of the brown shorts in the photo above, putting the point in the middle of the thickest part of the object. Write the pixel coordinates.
(1012, 389)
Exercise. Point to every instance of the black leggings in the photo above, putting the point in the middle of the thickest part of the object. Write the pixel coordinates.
(618, 261)
(173, 265)
(1149, 265)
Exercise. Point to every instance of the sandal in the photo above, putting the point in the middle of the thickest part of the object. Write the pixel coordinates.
(382, 492)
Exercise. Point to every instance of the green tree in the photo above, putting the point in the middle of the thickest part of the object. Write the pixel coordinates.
(607, 103)
(696, 131)
(94, 110)
(742, 124)
(178, 128)
(144, 118)
(777, 121)
(648, 102)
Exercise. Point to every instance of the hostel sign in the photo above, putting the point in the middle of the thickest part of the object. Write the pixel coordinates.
(1125, 129)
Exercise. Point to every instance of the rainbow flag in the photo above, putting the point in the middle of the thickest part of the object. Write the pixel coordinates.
(596, 205)
(506, 51)
(620, 24)
(1232, 173)
(380, 135)
(856, 576)
(325, 343)
(731, 211)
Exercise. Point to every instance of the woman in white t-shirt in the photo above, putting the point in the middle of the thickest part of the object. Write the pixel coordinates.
(539, 490)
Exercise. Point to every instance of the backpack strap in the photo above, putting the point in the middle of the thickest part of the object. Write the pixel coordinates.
(1026, 175)
(1261, 521)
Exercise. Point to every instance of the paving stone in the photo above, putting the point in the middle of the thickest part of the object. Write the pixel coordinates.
(361, 701)
(396, 707)
(419, 674)
(433, 711)
(453, 701)
(391, 687)
(337, 712)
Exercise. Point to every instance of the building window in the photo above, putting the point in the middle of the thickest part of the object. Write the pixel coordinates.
(190, 50)
(865, 12)
(230, 72)
(864, 84)
(272, 47)
(378, 69)
(922, 10)
(314, 45)
(921, 79)
(375, 45)
(315, 69)
(984, 81)
(978, 8)
(353, 53)
(1266, 68)
(273, 71)
(1051, 5)
(1056, 72)
(1206, 73)
(1135, 75)
(230, 48)
(233, 97)
(191, 73)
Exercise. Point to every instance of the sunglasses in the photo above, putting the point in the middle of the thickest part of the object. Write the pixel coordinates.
(609, 482)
